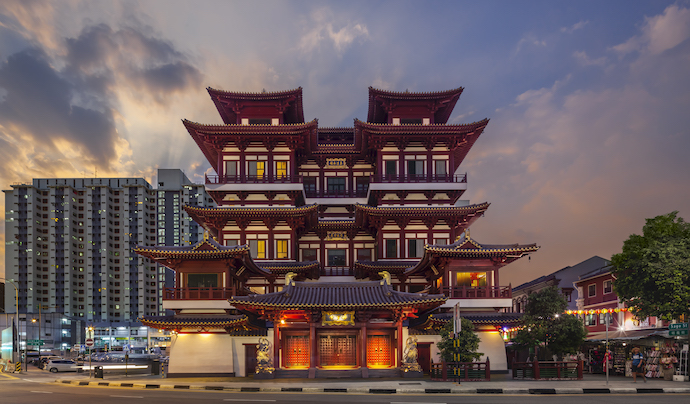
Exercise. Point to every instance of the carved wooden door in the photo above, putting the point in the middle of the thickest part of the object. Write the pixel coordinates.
(296, 351)
(378, 350)
(338, 350)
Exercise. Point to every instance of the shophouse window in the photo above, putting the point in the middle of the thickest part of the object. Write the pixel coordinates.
(257, 248)
(281, 249)
(603, 317)
(415, 248)
(592, 290)
(281, 169)
(591, 319)
(607, 287)
(256, 169)
(391, 248)
(337, 257)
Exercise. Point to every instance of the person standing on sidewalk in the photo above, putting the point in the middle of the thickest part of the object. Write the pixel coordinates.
(637, 364)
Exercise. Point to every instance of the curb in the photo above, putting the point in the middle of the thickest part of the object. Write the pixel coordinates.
(365, 390)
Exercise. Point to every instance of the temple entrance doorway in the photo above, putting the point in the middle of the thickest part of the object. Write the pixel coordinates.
(378, 351)
(296, 354)
(338, 350)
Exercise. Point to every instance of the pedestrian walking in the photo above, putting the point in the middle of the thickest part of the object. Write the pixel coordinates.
(638, 364)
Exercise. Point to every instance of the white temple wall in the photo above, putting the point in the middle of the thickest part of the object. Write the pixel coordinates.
(201, 354)
(493, 347)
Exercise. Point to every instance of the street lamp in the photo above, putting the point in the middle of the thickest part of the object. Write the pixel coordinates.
(19, 335)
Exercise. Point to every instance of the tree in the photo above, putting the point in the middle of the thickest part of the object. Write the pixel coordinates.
(469, 343)
(653, 270)
(544, 323)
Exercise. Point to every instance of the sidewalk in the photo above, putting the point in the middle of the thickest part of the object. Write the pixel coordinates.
(499, 384)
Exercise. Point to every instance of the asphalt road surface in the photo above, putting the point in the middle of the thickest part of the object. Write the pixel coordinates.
(38, 388)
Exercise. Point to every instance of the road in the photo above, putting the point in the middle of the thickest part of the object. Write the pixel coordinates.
(37, 388)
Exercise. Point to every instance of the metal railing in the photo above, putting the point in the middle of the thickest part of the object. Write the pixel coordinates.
(480, 292)
(337, 271)
(549, 370)
(461, 371)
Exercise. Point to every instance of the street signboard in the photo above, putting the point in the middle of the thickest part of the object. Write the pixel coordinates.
(89, 342)
(678, 326)
(35, 342)
(677, 332)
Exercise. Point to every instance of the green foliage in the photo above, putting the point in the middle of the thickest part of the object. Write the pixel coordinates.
(544, 323)
(469, 343)
(653, 270)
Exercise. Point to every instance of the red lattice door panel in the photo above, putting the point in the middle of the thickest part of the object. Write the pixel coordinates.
(338, 350)
(379, 350)
(296, 351)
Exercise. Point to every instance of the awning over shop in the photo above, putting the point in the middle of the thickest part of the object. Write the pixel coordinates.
(627, 335)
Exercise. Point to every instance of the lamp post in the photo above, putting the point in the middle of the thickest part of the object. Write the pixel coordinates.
(19, 335)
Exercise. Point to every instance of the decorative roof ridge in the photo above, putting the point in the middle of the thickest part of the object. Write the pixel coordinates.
(188, 123)
(248, 208)
(334, 128)
(410, 93)
(365, 206)
(484, 121)
(212, 90)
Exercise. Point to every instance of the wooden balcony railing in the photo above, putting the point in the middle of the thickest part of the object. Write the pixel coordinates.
(482, 292)
(253, 179)
(200, 293)
(461, 371)
(340, 193)
(442, 178)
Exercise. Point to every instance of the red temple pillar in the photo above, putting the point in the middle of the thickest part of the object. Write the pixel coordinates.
(276, 343)
(312, 349)
(400, 339)
(363, 356)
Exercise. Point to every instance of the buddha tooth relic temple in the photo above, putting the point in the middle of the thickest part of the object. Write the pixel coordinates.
(330, 247)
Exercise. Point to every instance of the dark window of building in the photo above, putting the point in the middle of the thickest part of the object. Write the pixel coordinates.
(440, 167)
(309, 254)
(362, 184)
(592, 290)
(257, 169)
(415, 248)
(410, 121)
(231, 168)
(202, 280)
(415, 167)
(309, 184)
(336, 184)
(337, 257)
(391, 167)
(391, 248)
(363, 254)
(607, 287)
(259, 121)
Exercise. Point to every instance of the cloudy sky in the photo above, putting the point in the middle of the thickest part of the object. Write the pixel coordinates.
(589, 101)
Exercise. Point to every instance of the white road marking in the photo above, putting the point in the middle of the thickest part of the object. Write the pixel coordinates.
(44, 392)
(244, 399)
(128, 396)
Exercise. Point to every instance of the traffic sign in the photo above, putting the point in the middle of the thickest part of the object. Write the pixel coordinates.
(677, 332)
(89, 342)
(678, 326)
(35, 342)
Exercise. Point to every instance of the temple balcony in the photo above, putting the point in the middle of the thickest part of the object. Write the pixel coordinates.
(422, 182)
(478, 297)
(258, 183)
(199, 298)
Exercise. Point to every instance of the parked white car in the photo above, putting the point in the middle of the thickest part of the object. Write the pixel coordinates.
(61, 365)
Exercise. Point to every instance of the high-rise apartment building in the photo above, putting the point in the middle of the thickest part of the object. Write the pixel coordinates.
(69, 246)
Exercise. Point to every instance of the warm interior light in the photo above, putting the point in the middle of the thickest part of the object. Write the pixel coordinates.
(282, 321)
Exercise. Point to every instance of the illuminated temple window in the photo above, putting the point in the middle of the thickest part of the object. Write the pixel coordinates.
(473, 279)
